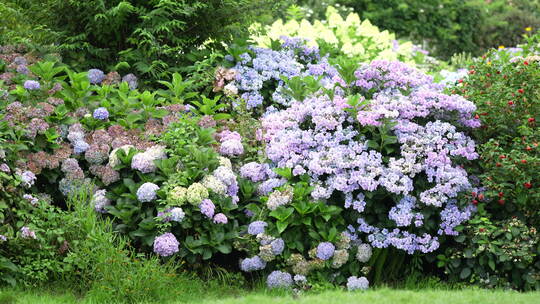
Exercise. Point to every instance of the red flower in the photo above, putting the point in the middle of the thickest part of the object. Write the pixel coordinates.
(527, 185)
(476, 116)
(481, 196)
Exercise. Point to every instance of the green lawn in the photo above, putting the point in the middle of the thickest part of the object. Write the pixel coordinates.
(375, 296)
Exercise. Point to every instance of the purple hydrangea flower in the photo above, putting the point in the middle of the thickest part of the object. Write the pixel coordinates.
(207, 208)
(277, 246)
(252, 264)
(357, 283)
(279, 279)
(256, 227)
(28, 233)
(95, 76)
(100, 201)
(28, 178)
(325, 250)
(31, 85)
(5, 168)
(101, 113)
(166, 244)
(147, 192)
(131, 80)
(220, 218)
(80, 146)
(177, 214)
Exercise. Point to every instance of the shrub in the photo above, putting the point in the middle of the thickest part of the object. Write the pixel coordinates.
(324, 209)
(153, 37)
(349, 37)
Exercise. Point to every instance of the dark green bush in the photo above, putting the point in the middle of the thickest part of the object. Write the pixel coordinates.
(153, 37)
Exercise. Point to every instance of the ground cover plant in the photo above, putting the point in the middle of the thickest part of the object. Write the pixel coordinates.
(308, 155)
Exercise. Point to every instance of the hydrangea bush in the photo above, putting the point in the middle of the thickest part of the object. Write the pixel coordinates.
(376, 164)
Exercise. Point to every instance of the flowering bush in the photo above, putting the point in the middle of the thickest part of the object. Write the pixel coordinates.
(380, 163)
(505, 86)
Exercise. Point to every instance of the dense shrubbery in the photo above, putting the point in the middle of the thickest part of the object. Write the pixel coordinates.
(500, 245)
(153, 37)
(312, 160)
(448, 27)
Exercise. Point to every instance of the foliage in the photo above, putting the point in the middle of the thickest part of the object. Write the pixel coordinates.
(495, 253)
(153, 37)
(506, 89)
(350, 37)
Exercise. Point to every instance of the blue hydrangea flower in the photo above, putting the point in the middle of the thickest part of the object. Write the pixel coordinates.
(32, 85)
(177, 214)
(325, 250)
(95, 76)
(101, 113)
(252, 264)
(28, 178)
(80, 146)
(277, 246)
(279, 279)
(355, 283)
(131, 80)
(147, 192)
(256, 227)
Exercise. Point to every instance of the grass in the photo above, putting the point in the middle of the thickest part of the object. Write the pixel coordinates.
(223, 295)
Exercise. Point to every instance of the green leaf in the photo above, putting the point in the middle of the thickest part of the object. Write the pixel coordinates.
(281, 226)
(465, 273)
(224, 248)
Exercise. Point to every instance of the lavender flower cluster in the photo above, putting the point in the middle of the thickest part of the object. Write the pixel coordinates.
(320, 137)
(261, 67)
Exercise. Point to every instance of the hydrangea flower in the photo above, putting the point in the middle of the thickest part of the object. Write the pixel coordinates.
(147, 192)
(95, 76)
(3, 238)
(279, 279)
(196, 193)
(252, 264)
(364, 253)
(131, 80)
(28, 233)
(207, 208)
(357, 283)
(220, 218)
(28, 179)
(177, 195)
(166, 244)
(300, 279)
(145, 161)
(325, 250)
(231, 143)
(100, 201)
(277, 246)
(256, 227)
(31, 85)
(101, 113)
(177, 214)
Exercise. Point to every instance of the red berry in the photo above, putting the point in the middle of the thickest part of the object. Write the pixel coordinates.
(481, 196)
(510, 103)
(501, 202)
(531, 119)
(482, 229)
(460, 81)
(528, 148)
(476, 116)
(498, 164)
(523, 161)
(488, 75)
(501, 194)
(525, 62)
(475, 202)
(527, 185)
(521, 91)
(502, 157)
